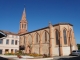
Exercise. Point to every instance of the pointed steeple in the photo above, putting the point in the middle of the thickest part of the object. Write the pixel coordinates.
(23, 23)
(24, 15)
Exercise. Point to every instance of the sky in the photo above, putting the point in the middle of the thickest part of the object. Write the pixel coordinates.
(39, 13)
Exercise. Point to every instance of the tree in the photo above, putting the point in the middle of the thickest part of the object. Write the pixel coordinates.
(78, 45)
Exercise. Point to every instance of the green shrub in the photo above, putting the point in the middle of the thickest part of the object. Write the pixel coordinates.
(40, 55)
(34, 54)
(25, 54)
(20, 51)
(9, 54)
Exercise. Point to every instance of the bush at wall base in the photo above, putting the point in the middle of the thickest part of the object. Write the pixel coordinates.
(19, 56)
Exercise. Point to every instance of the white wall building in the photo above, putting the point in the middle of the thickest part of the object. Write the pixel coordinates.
(9, 44)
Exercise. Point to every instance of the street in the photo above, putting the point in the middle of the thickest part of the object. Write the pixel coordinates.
(67, 58)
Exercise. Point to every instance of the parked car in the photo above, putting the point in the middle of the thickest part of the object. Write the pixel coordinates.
(75, 53)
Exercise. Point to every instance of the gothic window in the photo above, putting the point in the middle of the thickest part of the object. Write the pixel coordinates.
(70, 36)
(20, 25)
(37, 37)
(24, 39)
(64, 36)
(30, 39)
(70, 33)
(57, 37)
(45, 36)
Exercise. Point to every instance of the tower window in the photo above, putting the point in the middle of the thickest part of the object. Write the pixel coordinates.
(22, 25)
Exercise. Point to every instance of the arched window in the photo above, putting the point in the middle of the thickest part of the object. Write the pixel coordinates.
(45, 36)
(24, 39)
(64, 36)
(37, 37)
(25, 26)
(70, 37)
(57, 37)
(70, 34)
(22, 26)
(30, 39)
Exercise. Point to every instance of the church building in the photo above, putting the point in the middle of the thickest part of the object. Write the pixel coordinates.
(53, 40)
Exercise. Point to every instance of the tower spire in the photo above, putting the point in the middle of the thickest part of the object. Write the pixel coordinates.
(23, 23)
(24, 14)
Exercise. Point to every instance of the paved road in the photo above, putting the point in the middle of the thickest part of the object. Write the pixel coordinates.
(54, 58)
(67, 58)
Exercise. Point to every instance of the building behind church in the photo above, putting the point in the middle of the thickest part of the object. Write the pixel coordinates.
(53, 40)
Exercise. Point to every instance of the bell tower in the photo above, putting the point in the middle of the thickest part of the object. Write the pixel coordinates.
(23, 23)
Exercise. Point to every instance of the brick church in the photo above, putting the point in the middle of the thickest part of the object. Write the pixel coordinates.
(53, 40)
